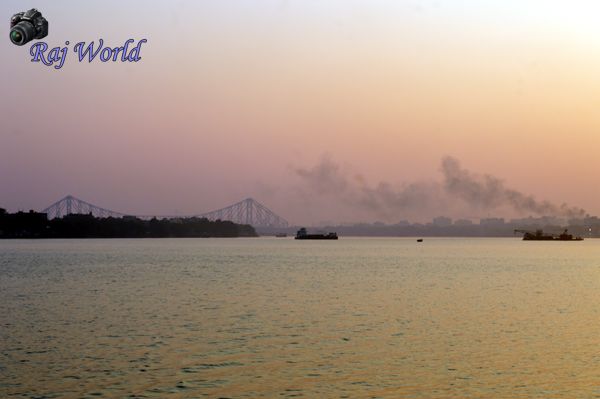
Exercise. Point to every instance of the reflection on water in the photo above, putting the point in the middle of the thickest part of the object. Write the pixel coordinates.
(250, 318)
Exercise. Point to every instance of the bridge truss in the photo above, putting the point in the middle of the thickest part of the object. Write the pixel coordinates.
(248, 211)
(71, 205)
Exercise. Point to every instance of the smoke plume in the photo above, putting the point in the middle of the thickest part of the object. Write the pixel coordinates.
(488, 192)
(382, 200)
(459, 187)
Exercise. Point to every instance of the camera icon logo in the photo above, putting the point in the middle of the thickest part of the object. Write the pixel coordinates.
(26, 26)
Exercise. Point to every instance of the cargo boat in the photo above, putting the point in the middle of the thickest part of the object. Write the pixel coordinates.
(539, 235)
(303, 235)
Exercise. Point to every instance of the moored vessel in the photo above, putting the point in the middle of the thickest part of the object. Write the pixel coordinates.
(539, 235)
(302, 234)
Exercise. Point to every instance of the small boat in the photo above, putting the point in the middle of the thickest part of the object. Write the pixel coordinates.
(280, 235)
(419, 240)
(302, 234)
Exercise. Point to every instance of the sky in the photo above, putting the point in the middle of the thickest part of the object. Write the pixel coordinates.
(236, 99)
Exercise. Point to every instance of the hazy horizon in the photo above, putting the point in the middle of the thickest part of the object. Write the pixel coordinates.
(337, 111)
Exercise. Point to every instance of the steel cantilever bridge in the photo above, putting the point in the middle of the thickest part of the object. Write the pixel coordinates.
(248, 211)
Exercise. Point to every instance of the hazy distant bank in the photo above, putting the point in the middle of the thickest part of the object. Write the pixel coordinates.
(430, 230)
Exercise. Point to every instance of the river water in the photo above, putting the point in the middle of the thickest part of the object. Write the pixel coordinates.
(279, 318)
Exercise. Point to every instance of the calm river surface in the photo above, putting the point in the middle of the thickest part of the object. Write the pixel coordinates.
(278, 318)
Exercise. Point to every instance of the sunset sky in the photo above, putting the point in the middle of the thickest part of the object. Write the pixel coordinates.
(236, 99)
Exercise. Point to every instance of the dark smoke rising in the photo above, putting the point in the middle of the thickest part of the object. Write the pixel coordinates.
(488, 192)
(478, 192)
(382, 200)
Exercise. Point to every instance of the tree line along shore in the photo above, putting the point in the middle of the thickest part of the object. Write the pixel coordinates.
(37, 225)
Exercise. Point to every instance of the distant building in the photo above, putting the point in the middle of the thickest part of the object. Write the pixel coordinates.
(463, 222)
(442, 221)
(542, 221)
(591, 221)
(528, 221)
(492, 222)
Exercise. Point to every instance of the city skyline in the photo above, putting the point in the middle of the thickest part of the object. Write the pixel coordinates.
(247, 210)
(234, 104)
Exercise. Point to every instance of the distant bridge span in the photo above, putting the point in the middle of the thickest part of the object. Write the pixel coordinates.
(248, 211)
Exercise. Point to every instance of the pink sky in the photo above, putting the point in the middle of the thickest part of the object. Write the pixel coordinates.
(228, 105)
